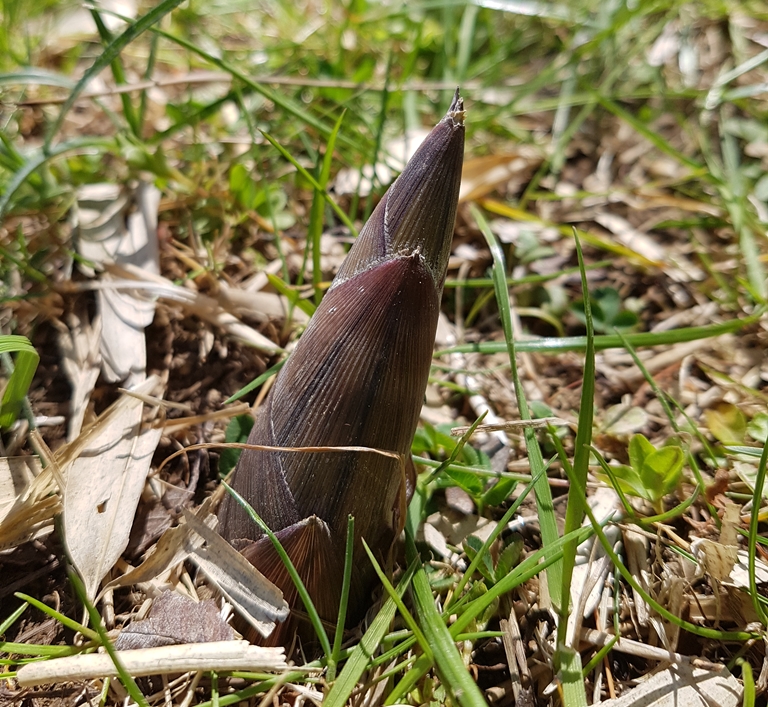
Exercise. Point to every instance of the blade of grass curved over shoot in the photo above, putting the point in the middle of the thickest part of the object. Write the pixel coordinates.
(356, 378)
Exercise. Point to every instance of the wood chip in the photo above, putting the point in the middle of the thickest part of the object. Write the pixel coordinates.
(219, 656)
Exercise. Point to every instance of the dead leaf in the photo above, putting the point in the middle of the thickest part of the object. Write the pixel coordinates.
(176, 619)
(727, 423)
(252, 595)
(482, 175)
(196, 303)
(79, 342)
(675, 265)
(173, 547)
(27, 502)
(16, 476)
(623, 420)
(109, 233)
(718, 559)
(103, 486)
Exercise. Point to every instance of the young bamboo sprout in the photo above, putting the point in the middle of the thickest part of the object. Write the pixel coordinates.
(356, 378)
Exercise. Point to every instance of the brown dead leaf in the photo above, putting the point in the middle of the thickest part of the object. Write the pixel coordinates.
(482, 175)
(176, 619)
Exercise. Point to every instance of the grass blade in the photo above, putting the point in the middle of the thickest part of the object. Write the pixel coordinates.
(502, 524)
(609, 341)
(346, 583)
(448, 661)
(309, 606)
(21, 376)
(658, 608)
(110, 53)
(549, 534)
(58, 616)
(358, 662)
(574, 513)
(125, 677)
(315, 184)
(315, 228)
(752, 536)
(278, 99)
(38, 160)
(256, 382)
(407, 616)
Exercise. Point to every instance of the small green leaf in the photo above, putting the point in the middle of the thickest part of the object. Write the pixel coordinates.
(466, 481)
(237, 431)
(499, 492)
(661, 471)
(508, 558)
(473, 545)
(607, 312)
(639, 449)
(757, 428)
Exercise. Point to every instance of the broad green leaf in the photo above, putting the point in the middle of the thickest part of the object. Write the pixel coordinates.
(639, 449)
(628, 480)
(661, 471)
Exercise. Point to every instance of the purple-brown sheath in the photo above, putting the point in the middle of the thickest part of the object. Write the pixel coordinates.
(356, 378)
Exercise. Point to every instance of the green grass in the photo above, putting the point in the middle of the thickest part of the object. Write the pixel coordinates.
(246, 165)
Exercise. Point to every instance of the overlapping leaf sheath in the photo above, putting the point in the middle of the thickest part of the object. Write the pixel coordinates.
(356, 378)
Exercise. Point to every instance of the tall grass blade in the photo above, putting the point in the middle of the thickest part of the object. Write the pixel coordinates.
(360, 659)
(548, 524)
(345, 585)
(574, 513)
(609, 341)
(450, 666)
(125, 677)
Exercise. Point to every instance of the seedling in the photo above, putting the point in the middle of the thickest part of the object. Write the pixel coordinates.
(652, 473)
(607, 311)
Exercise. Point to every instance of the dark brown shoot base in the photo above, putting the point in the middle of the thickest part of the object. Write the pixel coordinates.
(356, 378)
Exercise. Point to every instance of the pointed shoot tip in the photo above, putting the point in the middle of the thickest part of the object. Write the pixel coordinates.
(456, 112)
